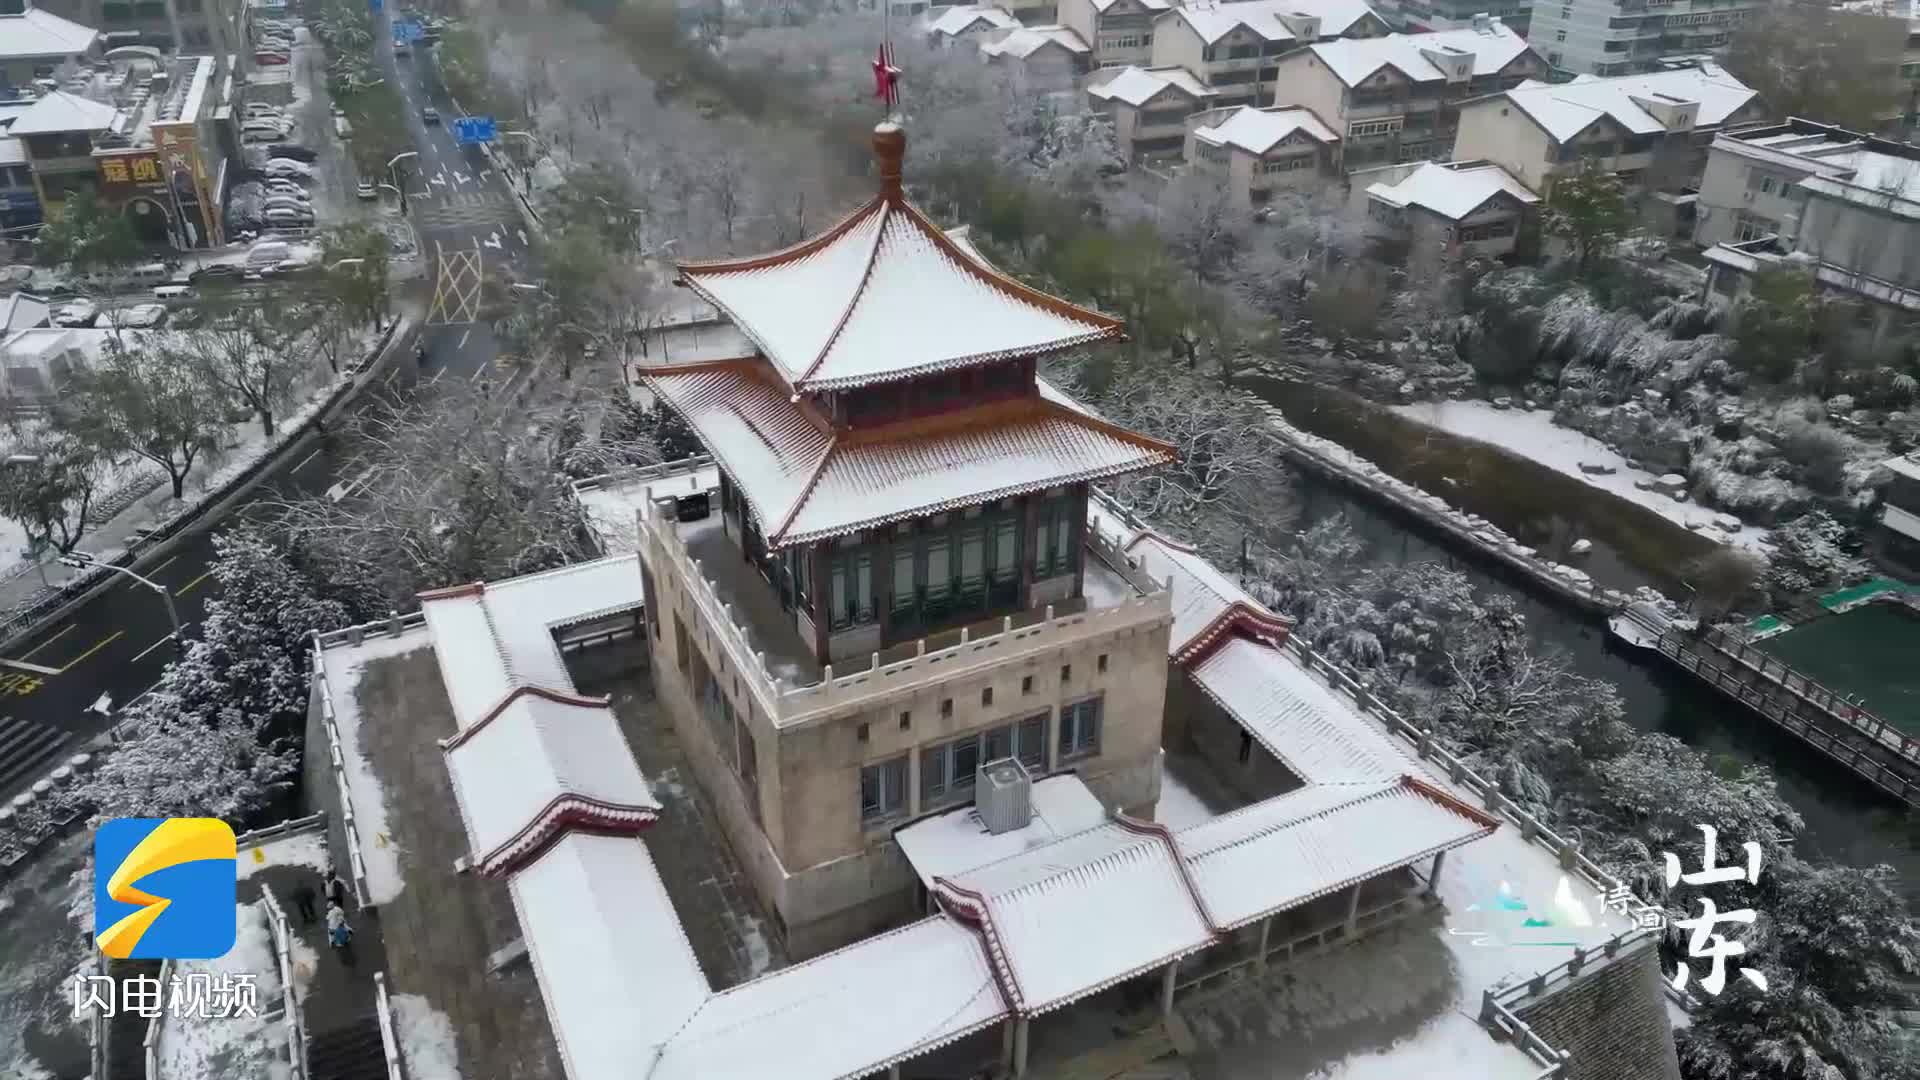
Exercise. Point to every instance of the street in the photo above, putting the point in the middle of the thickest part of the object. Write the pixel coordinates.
(60, 688)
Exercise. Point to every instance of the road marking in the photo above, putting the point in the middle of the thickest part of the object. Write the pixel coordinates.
(190, 586)
(162, 566)
(64, 631)
(463, 339)
(37, 669)
(76, 660)
(479, 373)
(316, 453)
(143, 652)
(20, 685)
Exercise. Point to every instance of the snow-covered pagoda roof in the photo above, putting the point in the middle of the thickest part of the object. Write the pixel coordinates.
(886, 295)
(806, 481)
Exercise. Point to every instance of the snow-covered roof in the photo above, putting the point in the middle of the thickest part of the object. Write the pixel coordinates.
(491, 639)
(1207, 605)
(60, 111)
(849, 307)
(951, 844)
(12, 152)
(1298, 720)
(1907, 465)
(805, 483)
(1452, 192)
(1352, 60)
(960, 20)
(848, 1013)
(1259, 130)
(1102, 6)
(1138, 85)
(1074, 917)
(1566, 109)
(1021, 44)
(20, 311)
(540, 762)
(615, 969)
(1213, 21)
(1293, 849)
(35, 33)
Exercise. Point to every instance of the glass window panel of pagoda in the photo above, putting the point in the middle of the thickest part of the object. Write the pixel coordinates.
(953, 565)
(1054, 554)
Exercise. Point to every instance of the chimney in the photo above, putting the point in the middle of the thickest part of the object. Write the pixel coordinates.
(889, 148)
(1003, 796)
(1482, 22)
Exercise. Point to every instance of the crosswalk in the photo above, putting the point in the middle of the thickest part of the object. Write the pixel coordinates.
(464, 208)
(28, 748)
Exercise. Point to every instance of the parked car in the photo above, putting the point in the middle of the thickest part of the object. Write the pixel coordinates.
(136, 316)
(215, 272)
(293, 152)
(76, 313)
(270, 59)
(262, 109)
(262, 131)
(287, 202)
(429, 115)
(283, 167)
(282, 217)
(283, 186)
(365, 190)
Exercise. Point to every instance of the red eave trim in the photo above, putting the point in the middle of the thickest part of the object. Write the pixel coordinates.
(1165, 836)
(565, 813)
(973, 908)
(1239, 615)
(472, 588)
(457, 739)
(1451, 801)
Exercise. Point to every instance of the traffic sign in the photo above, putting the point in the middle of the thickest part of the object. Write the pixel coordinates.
(474, 129)
(407, 31)
(375, 6)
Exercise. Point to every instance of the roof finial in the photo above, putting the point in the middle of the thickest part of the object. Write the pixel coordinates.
(889, 149)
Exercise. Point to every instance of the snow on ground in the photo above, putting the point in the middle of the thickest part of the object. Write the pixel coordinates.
(40, 949)
(238, 1046)
(753, 934)
(1180, 806)
(426, 1039)
(343, 667)
(308, 849)
(1532, 434)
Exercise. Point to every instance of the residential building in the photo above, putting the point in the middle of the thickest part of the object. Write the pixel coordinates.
(1625, 37)
(1119, 32)
(1653, 130)
(1898, 539)
(1427, 16)
(35, 364)
(1148, 107)
(213, 26)
(1258, 153)
(143, 136)
(1031, 12)
(22, 311)
(1234, 46)
(19, 203)
(1841, 204)
(1450, 210)
(948, 25)
(1397, 98)
(1051, 59)
(35, 44)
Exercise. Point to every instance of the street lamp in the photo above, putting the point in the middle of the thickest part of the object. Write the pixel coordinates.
(80, 561)
(397, 159)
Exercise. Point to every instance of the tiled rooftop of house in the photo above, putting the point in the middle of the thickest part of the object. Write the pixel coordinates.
(1353, 59)
(1566, 109)
(1453, 190)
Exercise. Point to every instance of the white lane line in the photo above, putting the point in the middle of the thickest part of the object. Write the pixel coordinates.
(304, 460)
(463, 339)
(143, 652)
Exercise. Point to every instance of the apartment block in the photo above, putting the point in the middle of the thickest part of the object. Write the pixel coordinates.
(1031, 12)
(218, 26)
(1398, 98)
(36, 44)
(1624, 37)
(1653, 130)
(1898, 539)
(1149, 107)
(1841, 204)
(1257, 153)
(1119, 32)
(1427, 16)
(1235, 46)
(1445, 210)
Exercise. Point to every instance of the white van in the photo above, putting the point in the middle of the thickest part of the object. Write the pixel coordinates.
(151, 274)
(268, 253)
(167, 294)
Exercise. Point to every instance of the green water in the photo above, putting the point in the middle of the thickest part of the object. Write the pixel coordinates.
(1872, 652)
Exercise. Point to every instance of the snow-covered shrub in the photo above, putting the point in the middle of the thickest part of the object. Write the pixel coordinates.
(1813, 553)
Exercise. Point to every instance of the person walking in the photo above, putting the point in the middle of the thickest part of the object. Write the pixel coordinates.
(303, 898)
(336, 888)
(338, 930)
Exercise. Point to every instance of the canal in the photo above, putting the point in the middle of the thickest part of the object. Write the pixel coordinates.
(1543, 508)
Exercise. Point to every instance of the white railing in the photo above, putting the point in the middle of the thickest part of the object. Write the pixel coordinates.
(389, 1045)
(283, 956)
(789, 706)
(337, 762)
(151, 1044)
(316, 822)
(97, 1026)
(640, 473)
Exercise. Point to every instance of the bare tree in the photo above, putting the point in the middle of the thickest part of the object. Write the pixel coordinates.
(1201, 226)
(253, 353)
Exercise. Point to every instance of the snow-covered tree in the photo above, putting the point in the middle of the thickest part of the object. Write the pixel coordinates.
(88, 237)
(1588, 210)
(49, 488)
(227, 766)
(1813, 60)
(1812, 553)
(252, 352)
(145, 399)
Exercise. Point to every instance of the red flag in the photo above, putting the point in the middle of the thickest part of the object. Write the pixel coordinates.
(886, 77)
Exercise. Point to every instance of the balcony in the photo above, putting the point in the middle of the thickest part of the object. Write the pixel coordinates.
(761, 640)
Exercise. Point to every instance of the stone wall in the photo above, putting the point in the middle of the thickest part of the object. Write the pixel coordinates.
(1612, 1019)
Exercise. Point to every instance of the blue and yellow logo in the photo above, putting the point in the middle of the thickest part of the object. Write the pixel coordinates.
(163, 888)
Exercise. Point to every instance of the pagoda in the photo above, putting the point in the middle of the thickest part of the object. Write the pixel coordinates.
(889, 458)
